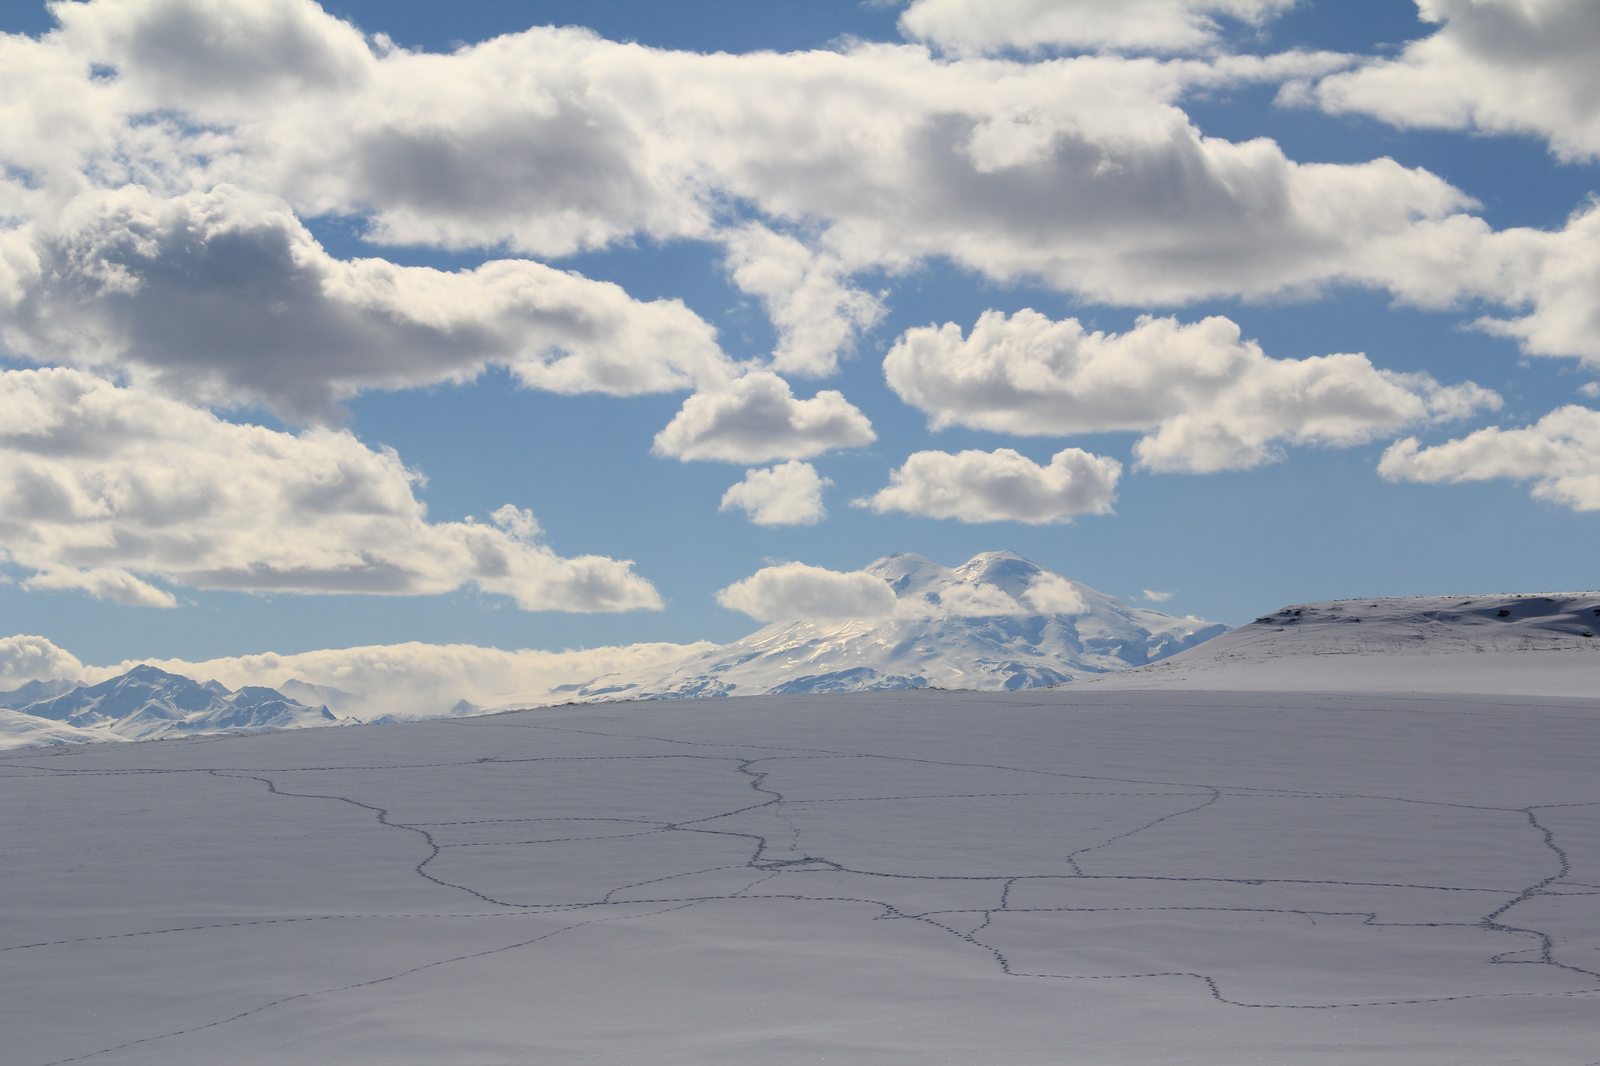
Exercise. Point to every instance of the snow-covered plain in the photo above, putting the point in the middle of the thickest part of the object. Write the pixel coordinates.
(1070, 875)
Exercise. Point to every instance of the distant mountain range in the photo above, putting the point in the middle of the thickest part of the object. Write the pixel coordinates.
(995, 622)
(146, 703)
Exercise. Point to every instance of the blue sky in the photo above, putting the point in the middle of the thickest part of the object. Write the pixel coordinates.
(181, 177)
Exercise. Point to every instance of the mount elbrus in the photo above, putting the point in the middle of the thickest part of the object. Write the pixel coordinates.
(996, 622)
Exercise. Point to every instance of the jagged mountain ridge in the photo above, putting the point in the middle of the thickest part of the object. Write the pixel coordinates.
(146, 703)
(998, 621)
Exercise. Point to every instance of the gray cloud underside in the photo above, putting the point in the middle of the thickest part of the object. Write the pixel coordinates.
(224, 297)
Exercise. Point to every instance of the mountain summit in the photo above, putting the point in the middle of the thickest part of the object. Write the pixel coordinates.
(997, 621)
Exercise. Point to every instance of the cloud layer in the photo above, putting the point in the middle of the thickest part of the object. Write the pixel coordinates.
(1081, 172)
(397, 679)
(1078, 171)
(424, 679)
(100, 484)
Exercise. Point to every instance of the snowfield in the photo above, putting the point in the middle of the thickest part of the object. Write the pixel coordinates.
(1069, 875)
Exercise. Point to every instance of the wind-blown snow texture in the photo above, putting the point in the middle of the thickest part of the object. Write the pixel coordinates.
(1037, 877)
(974, 626)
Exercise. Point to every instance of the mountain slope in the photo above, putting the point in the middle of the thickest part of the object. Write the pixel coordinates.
(1542, 644)
(996, 622)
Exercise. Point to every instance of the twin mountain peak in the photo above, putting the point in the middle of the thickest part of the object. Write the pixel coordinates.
(996, 622)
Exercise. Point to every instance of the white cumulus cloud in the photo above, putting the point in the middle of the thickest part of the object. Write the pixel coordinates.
(1499, 66)
(789, 494)
(103, 488)
(1552, 277)
(157, 156)
(1560, 454)
(1206, 399)
(999, 486)
(1140, 25)
(794, 592)
(26, 658)
(756, 418)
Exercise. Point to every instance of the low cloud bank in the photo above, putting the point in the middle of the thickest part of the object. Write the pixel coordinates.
(404, 680)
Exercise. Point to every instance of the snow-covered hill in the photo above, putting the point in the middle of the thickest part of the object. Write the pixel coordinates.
(1060, 876)
(996, 622)
(1541, 644)
(143, 704)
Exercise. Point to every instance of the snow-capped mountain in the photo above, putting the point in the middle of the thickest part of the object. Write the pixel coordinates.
(996, 622)
(146, 703)
(1545, 644)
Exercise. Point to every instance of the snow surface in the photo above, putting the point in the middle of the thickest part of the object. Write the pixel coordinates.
(1070, 875)
(998, 621)
(1543, 644)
